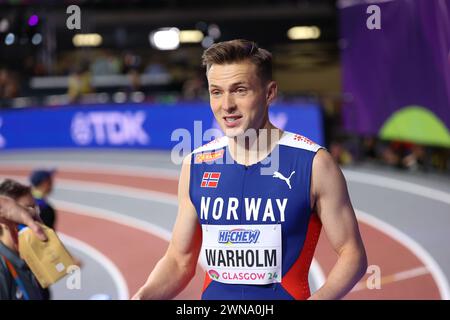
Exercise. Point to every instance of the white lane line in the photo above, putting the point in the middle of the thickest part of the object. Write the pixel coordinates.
(71, 166)
(109, 189)
(317, 274)
(113, 216)
(397, 185)
(111, 268)
(411, 273)
(399, 276)
(423, 255)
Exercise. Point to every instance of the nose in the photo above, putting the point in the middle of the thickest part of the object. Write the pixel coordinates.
(228, 103)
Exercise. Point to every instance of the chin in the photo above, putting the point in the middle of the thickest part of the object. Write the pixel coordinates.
(233, 132)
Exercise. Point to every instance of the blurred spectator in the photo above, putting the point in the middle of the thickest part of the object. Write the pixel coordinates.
(331, 118)
(194, 88)
(106, 64)
(340, 154)
(79, 83)
(134, 79)
(131, 61)
(156, 69)
(32, 67)
(391, 156)
(4, 78)
(41, 187)
(369, 148)
(415, 160)
(440, 159)
(9, 86)
(17, 282)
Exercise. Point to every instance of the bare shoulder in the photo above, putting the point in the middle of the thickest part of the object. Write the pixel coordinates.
(324, 164)
(185, 167)
(187, 159)
(184, 178)
(326, 174)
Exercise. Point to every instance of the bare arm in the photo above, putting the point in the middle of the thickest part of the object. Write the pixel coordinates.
(10, 211)
(177, 267)
(329, 190)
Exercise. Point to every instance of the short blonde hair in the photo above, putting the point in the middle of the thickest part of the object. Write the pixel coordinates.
(239, 50)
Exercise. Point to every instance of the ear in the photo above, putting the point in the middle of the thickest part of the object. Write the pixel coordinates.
(272, 90)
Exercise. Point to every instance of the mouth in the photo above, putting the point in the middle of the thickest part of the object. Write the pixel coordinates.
(232, 121)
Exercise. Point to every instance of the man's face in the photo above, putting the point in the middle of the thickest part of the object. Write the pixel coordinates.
(239, 98)
(27, 202)
(46, 186)
(9, 234)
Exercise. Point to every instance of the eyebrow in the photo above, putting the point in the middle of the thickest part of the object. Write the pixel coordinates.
(232, 85)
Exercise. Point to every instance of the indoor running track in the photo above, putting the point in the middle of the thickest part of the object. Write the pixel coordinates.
(116, 211)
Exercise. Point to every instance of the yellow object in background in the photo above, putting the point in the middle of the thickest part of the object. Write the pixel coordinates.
(47, 260)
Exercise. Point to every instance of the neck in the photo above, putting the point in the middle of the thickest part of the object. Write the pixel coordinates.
(37, 193)
(254, 145)
(8, 240)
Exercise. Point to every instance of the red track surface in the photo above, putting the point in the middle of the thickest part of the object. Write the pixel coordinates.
(135, 252)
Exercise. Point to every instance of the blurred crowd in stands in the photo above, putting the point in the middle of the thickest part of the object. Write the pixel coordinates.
(350, 149)
(9, 85)
(79, 74)
(395, 154)
(156, 80)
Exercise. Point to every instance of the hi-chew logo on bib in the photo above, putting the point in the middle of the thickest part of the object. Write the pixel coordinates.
(238, 236)
(242, 254)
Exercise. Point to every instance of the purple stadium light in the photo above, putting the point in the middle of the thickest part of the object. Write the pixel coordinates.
(33, 20)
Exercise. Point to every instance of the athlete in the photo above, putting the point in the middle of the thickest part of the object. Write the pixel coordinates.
(252, 203)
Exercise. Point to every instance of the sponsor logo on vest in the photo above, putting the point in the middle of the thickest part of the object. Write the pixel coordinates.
(271, 209)
(244, 275)
(278, 175)
(238, 236)
(208, 156)
(241, 258)
(214, 274)
(304, 139)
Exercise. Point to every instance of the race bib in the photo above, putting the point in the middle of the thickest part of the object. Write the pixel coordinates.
(242, 254)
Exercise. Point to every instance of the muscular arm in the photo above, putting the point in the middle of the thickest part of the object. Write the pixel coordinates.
(329, 190)
(177, 267)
